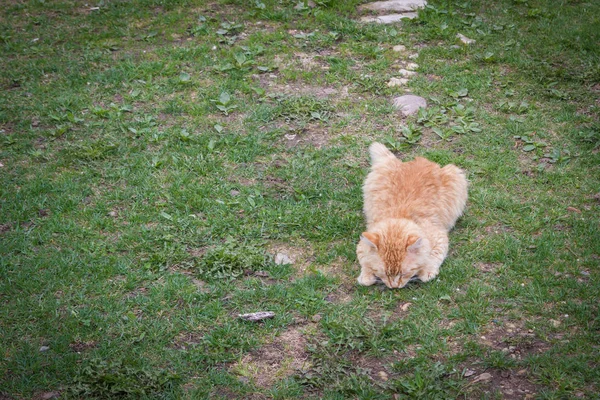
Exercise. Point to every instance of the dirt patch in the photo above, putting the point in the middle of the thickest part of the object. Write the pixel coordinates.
(513, 339)
(185, 340)
(341, 295)
(312, 135)
(79, 346)
(299, 257)
(269, 83)
(510, 384)
(276, 360)
(5, 227)
(141, 291)
(498, 229)
(488, 267)
(379, 368)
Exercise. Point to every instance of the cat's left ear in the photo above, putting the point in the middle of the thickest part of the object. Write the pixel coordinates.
(414, 244)
(372, 239)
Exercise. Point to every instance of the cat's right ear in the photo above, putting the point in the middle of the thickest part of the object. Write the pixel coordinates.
(372, 239)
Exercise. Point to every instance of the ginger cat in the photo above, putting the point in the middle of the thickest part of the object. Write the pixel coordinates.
(410, 207)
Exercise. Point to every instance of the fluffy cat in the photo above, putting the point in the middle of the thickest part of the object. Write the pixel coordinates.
(410, 207)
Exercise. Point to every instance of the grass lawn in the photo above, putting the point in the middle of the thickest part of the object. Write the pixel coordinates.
(155, 157)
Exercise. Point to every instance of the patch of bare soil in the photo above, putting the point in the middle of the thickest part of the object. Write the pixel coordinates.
(380, 368)
(312, 135)
(79, 346)
(186, 340)
(141, 291)
(5, 227)
(510, 384)
(512, 338)
(270, 84)
(341, 295)
(299, 256)
(488, 267)
(276, 360)
(498, 229)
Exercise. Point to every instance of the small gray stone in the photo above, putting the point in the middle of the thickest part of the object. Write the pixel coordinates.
(389, 19)
(412, 66)
(407, 73)
(483, 377)
(409, 104)
(234, 193)
(44, 348)
(397, 82)
(399, 48)
(413, 56)
(282, 259)
(257, 316)
(301, 5)
(464, 39)
(469, 372)
(394, 5)
(383, 375)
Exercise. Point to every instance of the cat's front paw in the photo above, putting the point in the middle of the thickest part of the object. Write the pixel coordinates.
(366, 279)
(425, 276)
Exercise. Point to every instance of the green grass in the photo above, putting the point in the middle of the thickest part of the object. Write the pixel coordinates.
(142, 207)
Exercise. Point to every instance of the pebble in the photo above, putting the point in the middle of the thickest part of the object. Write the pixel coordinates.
(397, 82)
(483, 377)
(412, 66)
(464, 39)
(282, 259)
(399, 48)
(407, 73)
(409, 104)
(389, 19)
(383, 375)
(44, 348)
(394, 5)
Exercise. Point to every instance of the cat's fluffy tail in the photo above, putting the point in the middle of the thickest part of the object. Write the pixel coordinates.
(379, 153)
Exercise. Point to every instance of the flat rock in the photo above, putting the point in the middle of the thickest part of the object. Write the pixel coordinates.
(302, 6)
(394, 5)
(257, 316)
(389, 19)
(409, 104)
(399, 48)
(397, 82)
(282, 259)
(406, 73)
(483, 378)
(464, 39)
(412, 66)
(383, 375)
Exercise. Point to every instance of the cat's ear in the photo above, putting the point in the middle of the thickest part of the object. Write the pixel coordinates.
(372, 239)
(413, 244)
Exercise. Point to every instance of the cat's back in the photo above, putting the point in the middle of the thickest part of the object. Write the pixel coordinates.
(417, 189)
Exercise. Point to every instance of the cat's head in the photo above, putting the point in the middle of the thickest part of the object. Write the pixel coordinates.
(393, 252)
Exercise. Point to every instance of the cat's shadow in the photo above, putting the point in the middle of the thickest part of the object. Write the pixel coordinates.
(413, 282)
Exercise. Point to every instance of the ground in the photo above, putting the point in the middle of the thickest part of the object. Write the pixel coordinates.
(168, 165)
